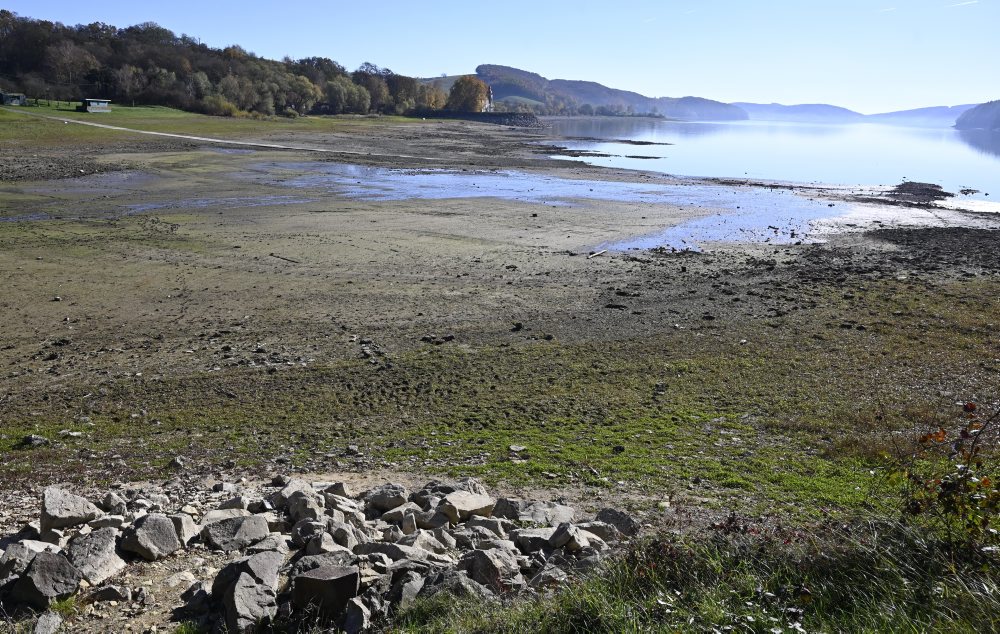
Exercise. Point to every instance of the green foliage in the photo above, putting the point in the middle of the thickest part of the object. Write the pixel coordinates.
(468, 94)
(950, 481)
(744, 577)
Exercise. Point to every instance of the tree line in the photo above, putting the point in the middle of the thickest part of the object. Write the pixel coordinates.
(148, 64)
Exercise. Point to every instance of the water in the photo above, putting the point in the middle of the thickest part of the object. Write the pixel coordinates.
(854, 154)
(744, 214)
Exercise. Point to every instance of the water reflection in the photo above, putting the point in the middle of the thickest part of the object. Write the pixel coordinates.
(985, 141)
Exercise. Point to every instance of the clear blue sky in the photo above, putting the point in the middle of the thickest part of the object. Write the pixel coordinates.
(871, 56)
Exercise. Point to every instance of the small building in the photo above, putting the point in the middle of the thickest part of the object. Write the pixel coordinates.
(13, 99)
(94, 105)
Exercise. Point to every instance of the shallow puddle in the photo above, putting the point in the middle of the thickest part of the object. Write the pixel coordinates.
(237, 202)
(745, 214)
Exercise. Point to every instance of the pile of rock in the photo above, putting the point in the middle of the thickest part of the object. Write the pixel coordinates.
(308, 550)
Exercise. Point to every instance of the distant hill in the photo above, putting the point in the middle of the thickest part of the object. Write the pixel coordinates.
(935, 116)
(802, 113)
(983, 117)
(515, 87)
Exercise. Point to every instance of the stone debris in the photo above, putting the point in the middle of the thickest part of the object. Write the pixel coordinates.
(299, 550)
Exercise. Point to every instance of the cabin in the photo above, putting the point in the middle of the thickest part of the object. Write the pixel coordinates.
(13, 99)
(94, 105)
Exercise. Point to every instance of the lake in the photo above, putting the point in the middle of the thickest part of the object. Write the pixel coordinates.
(851, 154)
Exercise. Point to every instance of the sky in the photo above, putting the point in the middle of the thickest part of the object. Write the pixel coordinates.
(870, 56)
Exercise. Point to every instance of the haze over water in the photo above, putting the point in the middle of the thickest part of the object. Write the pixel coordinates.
(850, 154)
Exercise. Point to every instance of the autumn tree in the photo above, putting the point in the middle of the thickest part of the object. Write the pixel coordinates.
(468, 94)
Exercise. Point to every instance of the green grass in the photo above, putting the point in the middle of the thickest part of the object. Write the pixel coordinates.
(19, 127)
(877, 577)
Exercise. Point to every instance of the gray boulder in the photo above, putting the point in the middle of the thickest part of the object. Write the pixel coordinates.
(327, 588)
(547, 513)
(405, 589)
(15, 560)
(461, 505)
(262, 567)
(114, 504)
(394, 552)
(219, 515)
(531, 540)
(235, 533)
(339, 559)
(279, 500)
(49, 577)
(357, 617)
(185, 527)
(625, 523)
(457, 584)
(498, 570)
(305, 505)
(151, 537)
(48, 623)
(386, 497)
(62, 509)
(249, 606)
(569, 537)
(605, 531)
(95, 555)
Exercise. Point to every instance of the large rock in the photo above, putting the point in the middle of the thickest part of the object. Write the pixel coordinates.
(262, 567)
(15, 560)
(280, 499)
(338, 559)
(185, 527)
(305, 505)
(48, 623)
(386, 497)
(605, 531)
(62, 509)
(461, 505)
(249, 605)
(357, 617)
(530, 540)
(457, 584)
(394, 552)
(49, 577)
(625, 523)
(569, 537)
(547, 513)
(151, 537)
(95, 555)
(219, 515)
(405, 589)
(235, 533)
(498, 570)
(327, 588)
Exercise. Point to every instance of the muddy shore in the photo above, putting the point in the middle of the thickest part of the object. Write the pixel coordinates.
(174, 277)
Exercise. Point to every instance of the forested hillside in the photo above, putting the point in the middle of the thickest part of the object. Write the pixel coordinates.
(983, 117)
(148, 64)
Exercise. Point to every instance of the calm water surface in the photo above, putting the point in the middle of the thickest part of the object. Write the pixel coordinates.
(856, 154)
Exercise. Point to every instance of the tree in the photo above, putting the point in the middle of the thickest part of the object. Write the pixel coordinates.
(468, 94)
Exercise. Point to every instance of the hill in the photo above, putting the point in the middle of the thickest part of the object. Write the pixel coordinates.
(983, 117)
(511, 86)
(934, 116)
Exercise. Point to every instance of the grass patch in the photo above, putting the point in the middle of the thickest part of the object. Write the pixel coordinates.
(875, 577)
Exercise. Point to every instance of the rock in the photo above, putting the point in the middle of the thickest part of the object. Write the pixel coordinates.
(223, 487)
(151, 537)
(498, 570)
(455, 583)
(304, 505)
(15, 560)
(32, 441)
(306, 530)
(197, 598)
(461, 505)
(48, 623)
(547, 513)
(112, 593)
(338, 559)
(605, 531)
(357, 617)
(274, 542)
(323, 543)
(249, 606)
(549, 576)
(409, 524)
(280, 499)
(394, 552)
(530, 540)
(177, 462)
(497, 526)
(342, 489)
(49, 577)
(262, 567)
(185, 528)
(236, 502)
(569, 537)
(95, 556)
(62, 509)
(431, 520)
(396, 515)
(185, 578)
(219, 515)
(625, 523)
(113, 504)
(386, 497)
(405, 589)
(107, 521)
(344, 534)
(472, 485)
(235, 533)
(328, 588)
